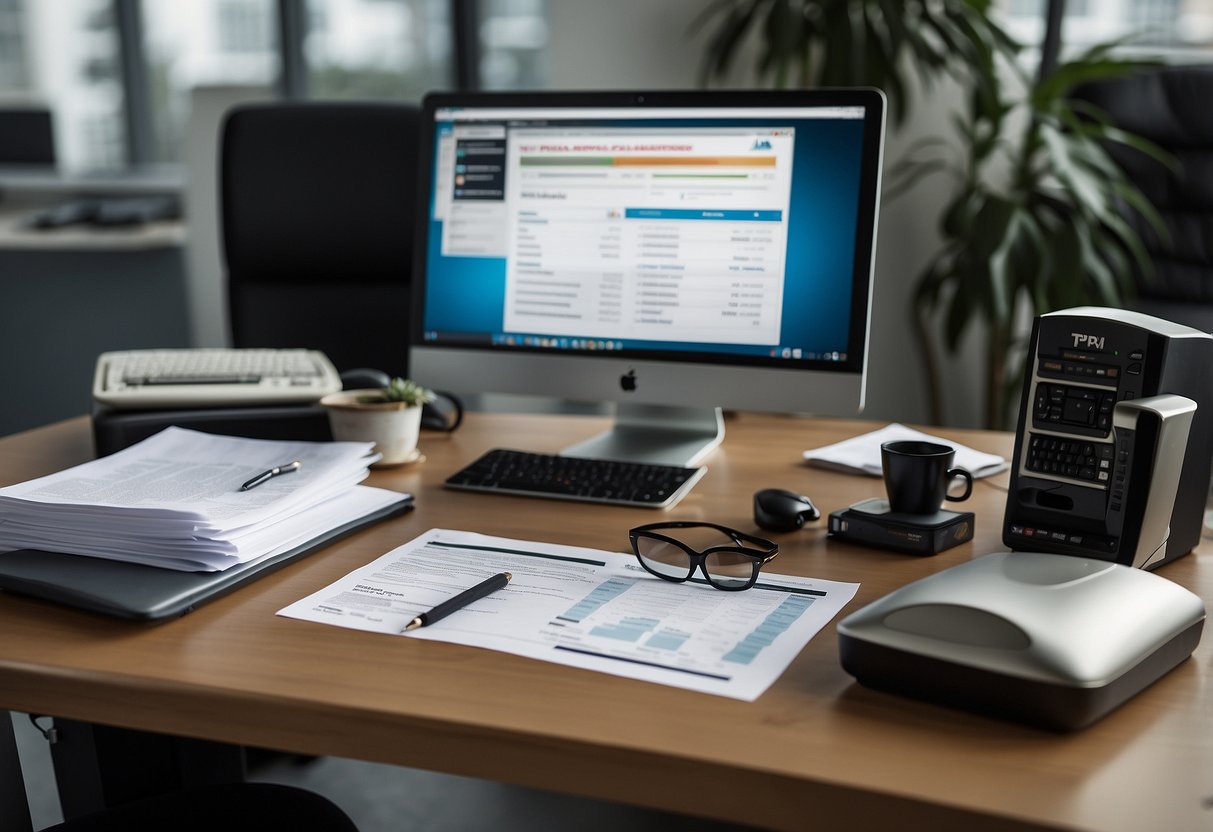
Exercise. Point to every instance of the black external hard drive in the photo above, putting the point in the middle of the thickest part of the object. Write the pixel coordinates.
(871, 523)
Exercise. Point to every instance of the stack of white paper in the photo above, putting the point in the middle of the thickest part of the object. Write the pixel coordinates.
(174, 500)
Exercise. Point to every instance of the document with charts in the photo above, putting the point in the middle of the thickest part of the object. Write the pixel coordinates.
(586, 608)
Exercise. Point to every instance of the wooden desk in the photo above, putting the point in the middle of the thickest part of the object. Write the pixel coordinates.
(817, 750)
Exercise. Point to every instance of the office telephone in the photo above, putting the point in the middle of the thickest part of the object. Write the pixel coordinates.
(1112, 454)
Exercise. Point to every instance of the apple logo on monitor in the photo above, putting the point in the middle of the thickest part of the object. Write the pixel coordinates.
(628, 381)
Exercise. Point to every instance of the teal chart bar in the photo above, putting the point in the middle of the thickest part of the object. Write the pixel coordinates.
(602, 594)
(778, 621)
(629, 629)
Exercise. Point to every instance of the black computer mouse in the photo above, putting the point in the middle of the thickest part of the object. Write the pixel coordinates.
(783, 511)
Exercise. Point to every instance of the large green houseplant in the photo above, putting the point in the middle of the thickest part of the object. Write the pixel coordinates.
(1038, 221)
(878, 43)
(1035, 220)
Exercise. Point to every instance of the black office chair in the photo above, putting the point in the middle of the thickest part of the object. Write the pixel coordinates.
(235, 807)
(27, 136)
(136, 804)
(317, 205)
(1170, 107)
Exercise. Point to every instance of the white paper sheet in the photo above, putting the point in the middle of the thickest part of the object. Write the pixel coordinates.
(586, 608)
(174, 501)
(861, 454)
(196, 556)
(195, 477)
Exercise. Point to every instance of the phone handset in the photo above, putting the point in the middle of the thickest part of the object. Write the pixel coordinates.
(1151, 437)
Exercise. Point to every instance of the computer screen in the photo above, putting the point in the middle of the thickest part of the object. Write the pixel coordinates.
(676, 251)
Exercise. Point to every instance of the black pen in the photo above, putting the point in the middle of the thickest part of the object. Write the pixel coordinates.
(270, 474)
(460, 601)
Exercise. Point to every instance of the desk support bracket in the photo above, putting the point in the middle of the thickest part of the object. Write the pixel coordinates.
(14, 806)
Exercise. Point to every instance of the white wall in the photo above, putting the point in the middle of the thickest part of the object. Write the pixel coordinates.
(204, 257)
(625, 44)
(645, 44)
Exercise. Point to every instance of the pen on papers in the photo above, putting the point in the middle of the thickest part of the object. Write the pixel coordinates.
(270, 474)
(460, 601)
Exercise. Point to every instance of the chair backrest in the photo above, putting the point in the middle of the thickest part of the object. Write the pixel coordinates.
(1170, 106)
(27, 136)
(317, 203)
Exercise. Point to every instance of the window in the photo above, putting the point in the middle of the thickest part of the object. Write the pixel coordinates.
(109, 112)
(14, 63)
(64, 54)
(1148, 23)
(513, 44)
(1157, 26)
(195, 43)
(392, 49)
(243, 27)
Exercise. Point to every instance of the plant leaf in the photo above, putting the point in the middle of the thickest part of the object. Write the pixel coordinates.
(718, 56)
(960, 312)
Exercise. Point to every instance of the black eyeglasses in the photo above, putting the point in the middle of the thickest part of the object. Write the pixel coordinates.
(729, 559)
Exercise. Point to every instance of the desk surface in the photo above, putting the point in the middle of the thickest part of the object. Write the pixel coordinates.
(16, 236)
(816, 748)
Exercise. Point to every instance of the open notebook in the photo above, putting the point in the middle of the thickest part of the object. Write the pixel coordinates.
(861, 454)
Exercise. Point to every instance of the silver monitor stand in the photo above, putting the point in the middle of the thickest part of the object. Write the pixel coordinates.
(656, 434)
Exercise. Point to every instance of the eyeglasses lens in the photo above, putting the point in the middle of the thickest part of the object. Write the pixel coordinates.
(730, 569)
(726, 569)
(663, 558)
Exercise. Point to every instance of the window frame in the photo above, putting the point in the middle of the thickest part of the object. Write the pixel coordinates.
(292, 84)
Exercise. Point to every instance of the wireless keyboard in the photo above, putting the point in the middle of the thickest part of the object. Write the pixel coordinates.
(573, 478)
(150, 379)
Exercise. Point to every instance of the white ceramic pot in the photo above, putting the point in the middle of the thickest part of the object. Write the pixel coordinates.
(392, 426)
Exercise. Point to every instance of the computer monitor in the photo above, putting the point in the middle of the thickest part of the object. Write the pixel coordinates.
(672, 252)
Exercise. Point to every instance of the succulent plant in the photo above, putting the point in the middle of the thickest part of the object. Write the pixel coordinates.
(408, 391)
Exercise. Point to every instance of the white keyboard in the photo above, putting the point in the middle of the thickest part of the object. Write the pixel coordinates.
(149, 379)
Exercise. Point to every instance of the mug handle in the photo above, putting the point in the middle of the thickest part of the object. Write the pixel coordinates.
(953, 473)
(444, 414)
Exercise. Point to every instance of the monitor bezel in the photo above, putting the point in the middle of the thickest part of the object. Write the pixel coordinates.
(845, 379)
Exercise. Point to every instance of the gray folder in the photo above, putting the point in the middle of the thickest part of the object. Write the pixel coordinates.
(132, 590)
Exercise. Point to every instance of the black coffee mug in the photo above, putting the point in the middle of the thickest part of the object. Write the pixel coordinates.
(917, 475)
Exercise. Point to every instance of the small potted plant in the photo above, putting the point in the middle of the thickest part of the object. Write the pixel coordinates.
(389, 416)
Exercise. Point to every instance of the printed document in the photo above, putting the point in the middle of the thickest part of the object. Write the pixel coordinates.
(174, 501)
(586, 608)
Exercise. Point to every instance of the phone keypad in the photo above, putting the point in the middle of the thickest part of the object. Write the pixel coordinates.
(1069, 405)
(1078, 459)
